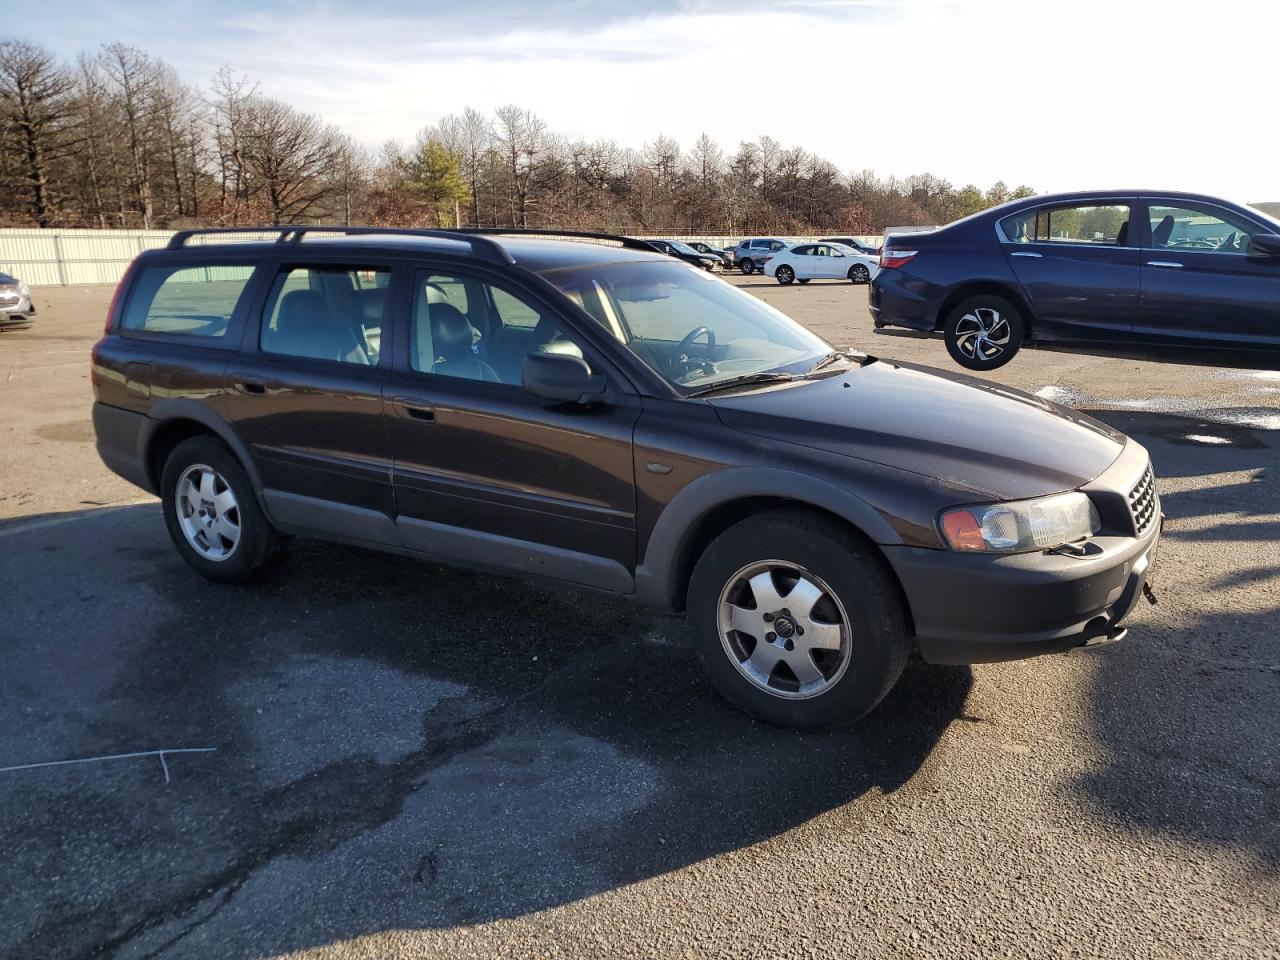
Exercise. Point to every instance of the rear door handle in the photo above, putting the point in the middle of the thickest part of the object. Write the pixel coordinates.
(1026, 253)
(251, 386)
(1166, 264)
(415, 409)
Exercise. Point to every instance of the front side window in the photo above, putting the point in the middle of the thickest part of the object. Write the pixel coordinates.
(1199, 228)
(326, 313)
(1099, 224)
(186, 301)
(471, 329)
(692, 329)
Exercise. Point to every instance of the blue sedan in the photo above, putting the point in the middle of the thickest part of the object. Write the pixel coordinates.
(1110, 268)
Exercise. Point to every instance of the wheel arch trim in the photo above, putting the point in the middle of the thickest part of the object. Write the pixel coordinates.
(659, 573)
(170, 411)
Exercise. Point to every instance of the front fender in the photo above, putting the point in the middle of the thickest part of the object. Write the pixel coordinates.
(656, 575)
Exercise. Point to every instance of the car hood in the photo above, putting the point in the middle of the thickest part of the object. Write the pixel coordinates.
(988, 439)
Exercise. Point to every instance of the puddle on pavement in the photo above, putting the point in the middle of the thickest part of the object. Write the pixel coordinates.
(1250, 418)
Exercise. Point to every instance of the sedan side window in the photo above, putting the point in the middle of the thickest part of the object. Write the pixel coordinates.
(1103, 225)
(326, 313)
(1190, 228)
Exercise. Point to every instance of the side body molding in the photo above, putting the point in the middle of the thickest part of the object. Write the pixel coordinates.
(656, 575)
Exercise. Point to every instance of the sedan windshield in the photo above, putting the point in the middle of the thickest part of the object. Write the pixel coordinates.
(691, 328)
(682, 246)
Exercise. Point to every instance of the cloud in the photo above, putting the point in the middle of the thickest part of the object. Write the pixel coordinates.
(1061, 94)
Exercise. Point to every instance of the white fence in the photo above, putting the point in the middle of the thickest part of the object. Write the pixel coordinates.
(64, 257)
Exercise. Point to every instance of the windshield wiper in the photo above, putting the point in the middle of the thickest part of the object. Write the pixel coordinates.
(743, 381)
(835, 355)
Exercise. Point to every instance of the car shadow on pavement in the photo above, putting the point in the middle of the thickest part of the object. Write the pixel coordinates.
(1188, 707)
(398, 745)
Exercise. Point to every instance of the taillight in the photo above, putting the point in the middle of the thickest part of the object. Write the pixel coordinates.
(891, 259)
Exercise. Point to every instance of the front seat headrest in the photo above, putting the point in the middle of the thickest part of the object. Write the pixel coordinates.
(1161, 234)
(451, 331)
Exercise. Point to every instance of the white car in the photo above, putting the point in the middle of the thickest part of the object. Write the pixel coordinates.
(821, 261)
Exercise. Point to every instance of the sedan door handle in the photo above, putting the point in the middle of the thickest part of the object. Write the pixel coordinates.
(1026, 253)
(415, 409)
(1166, 264)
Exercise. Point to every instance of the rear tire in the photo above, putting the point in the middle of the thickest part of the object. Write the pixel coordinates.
(747, 266)
(212, 512)
(784, 275)
(984, 332)
(819, 577)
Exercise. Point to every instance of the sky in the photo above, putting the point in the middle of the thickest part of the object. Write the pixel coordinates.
(1057, 94)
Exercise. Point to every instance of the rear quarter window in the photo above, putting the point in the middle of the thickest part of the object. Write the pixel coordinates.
(186, 301)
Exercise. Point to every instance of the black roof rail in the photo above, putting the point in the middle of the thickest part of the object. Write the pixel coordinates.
(631, 243)
(481, 246)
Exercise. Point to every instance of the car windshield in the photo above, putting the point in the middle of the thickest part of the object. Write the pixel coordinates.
(682, 246)
(693, 329)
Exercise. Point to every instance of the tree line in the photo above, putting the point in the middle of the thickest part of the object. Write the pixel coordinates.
(118, 139)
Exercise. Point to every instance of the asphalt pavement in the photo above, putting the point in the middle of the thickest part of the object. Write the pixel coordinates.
(398, 759)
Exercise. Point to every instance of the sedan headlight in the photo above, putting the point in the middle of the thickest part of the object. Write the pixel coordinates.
(1021, 526)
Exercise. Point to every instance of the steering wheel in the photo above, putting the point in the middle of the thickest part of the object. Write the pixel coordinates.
(680, 362)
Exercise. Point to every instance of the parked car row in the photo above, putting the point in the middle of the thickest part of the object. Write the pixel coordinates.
(1109, 269)
(832, 258)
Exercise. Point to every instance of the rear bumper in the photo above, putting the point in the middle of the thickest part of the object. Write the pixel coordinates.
(898, 299)
(120, 436)
(984, 609)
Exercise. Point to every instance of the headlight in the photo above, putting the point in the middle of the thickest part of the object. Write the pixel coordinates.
(1021, 526)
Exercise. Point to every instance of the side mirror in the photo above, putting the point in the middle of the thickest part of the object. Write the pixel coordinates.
(561, 376)
(1265, 245)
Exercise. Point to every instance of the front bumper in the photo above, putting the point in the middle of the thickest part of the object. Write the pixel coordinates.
(20, 313)
(983, 608)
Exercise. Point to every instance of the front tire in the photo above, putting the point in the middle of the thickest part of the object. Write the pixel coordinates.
(796, 622)
(984, 332)
(747, 266)
(784, 275)
(212, 513)
(859, 273)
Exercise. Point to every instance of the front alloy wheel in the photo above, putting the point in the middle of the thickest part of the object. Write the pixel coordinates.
(859, 273)
(784, 629)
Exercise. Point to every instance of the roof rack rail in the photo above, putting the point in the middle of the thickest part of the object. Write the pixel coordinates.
(631, 243)
(481, 246)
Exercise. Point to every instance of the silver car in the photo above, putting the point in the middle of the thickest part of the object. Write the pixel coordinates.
(751, 254)
(16, 308)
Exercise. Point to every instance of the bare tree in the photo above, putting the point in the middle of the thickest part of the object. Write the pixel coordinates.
(134, 76)
(34, 96)
(288, 154)
(522, 137)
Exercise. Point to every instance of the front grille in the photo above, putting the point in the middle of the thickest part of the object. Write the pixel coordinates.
(1143, 503)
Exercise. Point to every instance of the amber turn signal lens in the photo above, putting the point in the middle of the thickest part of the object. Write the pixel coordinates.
(962, 531)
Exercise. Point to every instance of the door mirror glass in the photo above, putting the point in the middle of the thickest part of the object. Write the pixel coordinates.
(561, 376)
(1265, 245)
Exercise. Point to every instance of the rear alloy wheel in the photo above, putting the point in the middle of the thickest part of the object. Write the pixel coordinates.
(212, 513)
(796, 623)
(859, 273)
(747, 266)
(784, 275)
(984, 332)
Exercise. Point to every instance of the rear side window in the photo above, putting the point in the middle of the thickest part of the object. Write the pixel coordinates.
(186, 301)
(327, 313)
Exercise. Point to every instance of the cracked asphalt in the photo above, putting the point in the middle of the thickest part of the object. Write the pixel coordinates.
(414, 761)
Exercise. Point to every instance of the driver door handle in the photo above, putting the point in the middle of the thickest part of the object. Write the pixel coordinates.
(1166, 264)
(415, 409)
